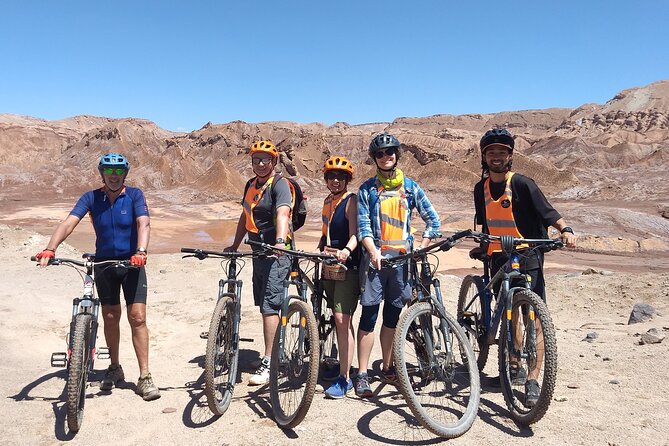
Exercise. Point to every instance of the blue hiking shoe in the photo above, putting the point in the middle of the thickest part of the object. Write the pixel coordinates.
(339, 388)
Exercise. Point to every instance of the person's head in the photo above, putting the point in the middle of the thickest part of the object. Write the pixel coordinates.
(338, 171)
(113, 168)
(264, 157)
(385, 150)
(496, 150)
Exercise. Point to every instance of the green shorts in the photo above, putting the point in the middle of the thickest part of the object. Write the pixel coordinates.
(343, 295)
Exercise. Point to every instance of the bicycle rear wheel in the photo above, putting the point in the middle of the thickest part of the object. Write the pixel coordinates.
(537, 347)
(77, 373)
(222, 357)
(470, 316)
(436, 371)
(327, 335)
(294, 371)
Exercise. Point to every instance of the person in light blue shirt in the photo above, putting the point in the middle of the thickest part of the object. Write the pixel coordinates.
(385, 206)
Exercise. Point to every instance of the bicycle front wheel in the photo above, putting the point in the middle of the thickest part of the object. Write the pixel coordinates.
(294, 369)
(534, 345)
(222, 357)
(436, 371)
(470, 316)
(77, 373)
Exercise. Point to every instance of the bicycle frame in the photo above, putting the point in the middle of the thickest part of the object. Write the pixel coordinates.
(422, 284)
(509, 272)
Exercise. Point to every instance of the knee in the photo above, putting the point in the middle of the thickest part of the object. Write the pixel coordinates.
(391, 315)
(368, 318)
(111, 313)
(137, 318)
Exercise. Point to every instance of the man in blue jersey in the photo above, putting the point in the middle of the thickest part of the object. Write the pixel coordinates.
(120, 218)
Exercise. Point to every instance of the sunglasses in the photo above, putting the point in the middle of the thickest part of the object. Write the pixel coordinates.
(264, 161)
(341, 176)
(113, 170)
(381, 153)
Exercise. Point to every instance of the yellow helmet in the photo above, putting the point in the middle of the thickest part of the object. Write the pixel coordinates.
(338, 163)
(265, 146)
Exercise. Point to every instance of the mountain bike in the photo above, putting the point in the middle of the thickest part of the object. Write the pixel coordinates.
(222, 354)
(311, 278)
(436, 366)
(81, 350)
(296, 349)
(527, 340)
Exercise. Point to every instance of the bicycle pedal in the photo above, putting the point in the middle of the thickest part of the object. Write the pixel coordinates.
(103, 353)
(204, 335)
(246, 340)
(59, 359)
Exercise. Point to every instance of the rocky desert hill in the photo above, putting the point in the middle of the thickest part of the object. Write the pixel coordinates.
(603, 166)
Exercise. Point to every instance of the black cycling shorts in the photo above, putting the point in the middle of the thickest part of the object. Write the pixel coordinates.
(110, 280)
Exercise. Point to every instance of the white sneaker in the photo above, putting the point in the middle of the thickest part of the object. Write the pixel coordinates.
(262, 374)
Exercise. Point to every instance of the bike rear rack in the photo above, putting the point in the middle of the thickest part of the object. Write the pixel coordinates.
(59, 359)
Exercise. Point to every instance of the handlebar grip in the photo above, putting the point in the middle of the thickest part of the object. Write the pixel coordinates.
(33, 259)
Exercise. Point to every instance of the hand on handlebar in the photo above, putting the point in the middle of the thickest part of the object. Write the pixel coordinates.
(139, 259)
(375, 259)
(44, 256)
(568, 239)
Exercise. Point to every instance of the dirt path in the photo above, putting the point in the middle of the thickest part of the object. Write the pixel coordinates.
(611, 391)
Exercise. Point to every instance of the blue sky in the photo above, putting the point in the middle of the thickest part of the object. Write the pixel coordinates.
(184, 63)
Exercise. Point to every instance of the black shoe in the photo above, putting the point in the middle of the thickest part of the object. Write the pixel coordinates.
(518, 375)
(532, 392)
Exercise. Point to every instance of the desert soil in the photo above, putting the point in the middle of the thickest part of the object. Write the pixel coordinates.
(612, 391)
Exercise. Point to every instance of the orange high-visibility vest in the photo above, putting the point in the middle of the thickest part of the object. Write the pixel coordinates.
(394, 213)
(251, 200)
(499, 214)
(329, 207)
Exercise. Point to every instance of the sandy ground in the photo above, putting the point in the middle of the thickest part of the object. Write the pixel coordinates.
(609, 392)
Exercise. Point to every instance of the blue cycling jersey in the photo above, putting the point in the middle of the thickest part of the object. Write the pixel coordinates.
(115, 225)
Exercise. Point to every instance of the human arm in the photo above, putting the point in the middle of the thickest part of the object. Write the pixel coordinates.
(364, 213)
(374, 252)
(143, 234)
(567, 237)
(240, 232)
(63, 230)
(428, 214)
(282, 224)
(352, 217)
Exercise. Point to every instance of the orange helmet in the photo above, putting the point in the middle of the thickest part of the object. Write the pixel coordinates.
(264, 147)
(338, 163)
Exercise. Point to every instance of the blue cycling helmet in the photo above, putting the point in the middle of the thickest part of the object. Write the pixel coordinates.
(113, 159)
(497, 136)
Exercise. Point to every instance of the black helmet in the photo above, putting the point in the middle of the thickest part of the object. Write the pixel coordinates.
(497, 136)
(383, 141)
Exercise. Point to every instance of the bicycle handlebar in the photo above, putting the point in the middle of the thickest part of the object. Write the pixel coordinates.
(328, 259)
(84, 263)
(443, 245)
(202, 254)
(512, 241)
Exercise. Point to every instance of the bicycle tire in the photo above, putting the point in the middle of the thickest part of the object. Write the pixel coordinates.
(453, 374)
(472, 320)
(327, 335)
(78, 368)
(293, 375)
(514, 394)
(222, 356)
